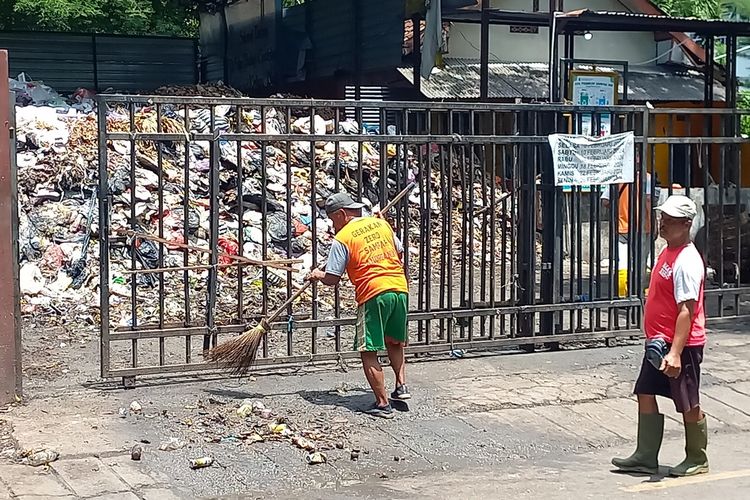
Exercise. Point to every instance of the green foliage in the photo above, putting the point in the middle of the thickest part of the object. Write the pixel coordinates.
(134, 17)
(715, 9)
(705, 9)
(743, 102)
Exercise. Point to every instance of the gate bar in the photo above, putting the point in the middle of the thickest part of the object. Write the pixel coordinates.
(10, 314)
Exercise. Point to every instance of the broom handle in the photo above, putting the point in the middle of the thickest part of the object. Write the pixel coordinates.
(307, 285)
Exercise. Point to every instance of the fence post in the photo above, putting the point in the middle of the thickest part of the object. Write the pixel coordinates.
(550, 286)
(95, 62)
(527, 225)
(10, 330)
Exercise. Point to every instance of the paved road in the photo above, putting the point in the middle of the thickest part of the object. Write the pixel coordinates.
(522, 425)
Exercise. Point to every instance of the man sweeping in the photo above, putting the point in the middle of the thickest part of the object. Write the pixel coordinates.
(370, 253)
(674, 323)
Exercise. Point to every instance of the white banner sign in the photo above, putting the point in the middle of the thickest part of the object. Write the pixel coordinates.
(582, 160)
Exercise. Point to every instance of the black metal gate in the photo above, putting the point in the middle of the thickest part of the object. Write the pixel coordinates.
(499, 256)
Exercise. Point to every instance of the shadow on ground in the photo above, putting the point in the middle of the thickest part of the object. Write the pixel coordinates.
(355, 400)
(358, 401)
(652, 478)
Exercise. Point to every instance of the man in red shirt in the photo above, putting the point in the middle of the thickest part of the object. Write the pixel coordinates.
(675, 326)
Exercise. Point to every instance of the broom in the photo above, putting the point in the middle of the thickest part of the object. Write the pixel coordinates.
(240, 353)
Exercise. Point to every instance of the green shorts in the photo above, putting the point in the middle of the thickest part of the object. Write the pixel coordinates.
(382, 316)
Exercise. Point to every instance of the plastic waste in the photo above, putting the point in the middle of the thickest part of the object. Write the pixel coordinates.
(245, 410)
(31, 279)
(42, 457)
(303, 443)
(229, 247)
(200, 463)
(316, 458)
(457, 353)
(173, 444)
(147, 253)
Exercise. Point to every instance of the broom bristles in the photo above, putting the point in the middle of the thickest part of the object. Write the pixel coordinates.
(240, 352)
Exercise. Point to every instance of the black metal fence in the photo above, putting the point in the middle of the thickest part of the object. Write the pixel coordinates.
(498, 255)
(704, 155)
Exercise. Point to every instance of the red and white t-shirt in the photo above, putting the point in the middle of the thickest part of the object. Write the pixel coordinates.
(678, 276)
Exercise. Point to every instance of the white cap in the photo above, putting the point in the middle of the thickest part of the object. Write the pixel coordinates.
(679, 207)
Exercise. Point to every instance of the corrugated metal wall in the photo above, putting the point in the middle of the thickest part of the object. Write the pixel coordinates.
(332, 30)
(331, 26)
(382, 34)
(63, 61)
(370, 116)
(124, 63)
(212, 47)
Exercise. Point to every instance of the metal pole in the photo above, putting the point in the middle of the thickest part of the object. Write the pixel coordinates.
(484, 53)
(358, 48)
(103, 195)
(416, 52)
(95, 58)
(551, 206)
(553, 52)
(527, 224)
(10, 328)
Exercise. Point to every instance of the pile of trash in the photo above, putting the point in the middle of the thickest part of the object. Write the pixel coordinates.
(29, 92)
(263, 208)
(199, 90)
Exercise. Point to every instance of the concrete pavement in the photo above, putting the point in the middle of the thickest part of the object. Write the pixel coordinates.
(527, 426)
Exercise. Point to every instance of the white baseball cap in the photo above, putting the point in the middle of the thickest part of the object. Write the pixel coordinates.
(679, 207)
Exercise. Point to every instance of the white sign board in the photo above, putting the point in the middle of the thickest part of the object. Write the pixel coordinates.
(594, 90)
(580, 160)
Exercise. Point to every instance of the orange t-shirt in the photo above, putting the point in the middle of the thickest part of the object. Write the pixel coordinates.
(623, 208)
(373, 265)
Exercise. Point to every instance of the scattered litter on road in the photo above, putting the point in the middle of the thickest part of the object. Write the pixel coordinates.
(245, 410)
(343, 389)
(278, 428)
(316, 458)
(200, 463)
(457, 353)
(254, 437)
(172, 445)
(135, 407)
(39, 458)
(136, 452)
(303, 443)
(221, 423)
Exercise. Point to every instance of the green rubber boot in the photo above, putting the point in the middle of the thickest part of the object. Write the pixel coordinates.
(696, 461)
(646, 457)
